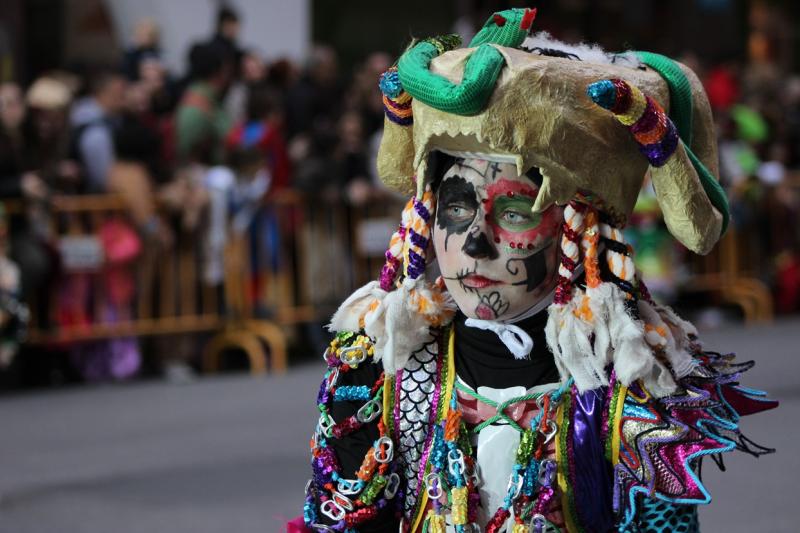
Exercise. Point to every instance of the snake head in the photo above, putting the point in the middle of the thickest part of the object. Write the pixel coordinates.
(508, 28)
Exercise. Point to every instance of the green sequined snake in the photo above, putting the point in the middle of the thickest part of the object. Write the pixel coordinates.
(507, 28)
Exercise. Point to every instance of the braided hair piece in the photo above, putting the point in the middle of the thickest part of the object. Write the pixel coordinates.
(634, 334)
(570, 323)
(589, 329)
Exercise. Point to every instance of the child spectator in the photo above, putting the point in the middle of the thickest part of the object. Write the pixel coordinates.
(235, 195)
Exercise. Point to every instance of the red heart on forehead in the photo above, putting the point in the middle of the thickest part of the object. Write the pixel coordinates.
(500, 20)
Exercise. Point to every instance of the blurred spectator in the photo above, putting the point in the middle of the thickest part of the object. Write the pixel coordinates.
(159, 87)
(363, 96)
(253, 180)
(138, 121)
(12, 115)
(201, 121)
(262, 129)
(312, 124)
(282, 76)
(12, 108)
(33, 148)
(722, 86)
(253, 72)
(235, 195)
(351, 159)
(93, 121)
(791, 105)
(145, 47)
(46, 146)
(218, 182)
(226, 35)
(134, 172)
(311, 108)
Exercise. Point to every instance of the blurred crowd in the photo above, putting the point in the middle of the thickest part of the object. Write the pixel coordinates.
(756, 106)
(757, 109)
(202, 152)
(194, 153)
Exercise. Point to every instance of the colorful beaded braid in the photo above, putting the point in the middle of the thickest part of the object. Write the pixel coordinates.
(618, 258)
(409, 243)
(654, 132)
(394, 255)
(570, 250)
(418, 234)
(589, 242)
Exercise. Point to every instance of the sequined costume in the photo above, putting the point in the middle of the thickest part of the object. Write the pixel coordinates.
(427, 426)
(625, 460)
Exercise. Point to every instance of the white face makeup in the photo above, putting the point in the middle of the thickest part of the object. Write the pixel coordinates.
(498, 259)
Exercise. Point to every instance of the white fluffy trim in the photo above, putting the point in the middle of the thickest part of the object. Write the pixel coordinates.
(569, 338)
(398, 321)
(661, 337)
(584, 345)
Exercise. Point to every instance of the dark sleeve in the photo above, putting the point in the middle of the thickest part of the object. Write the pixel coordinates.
(351, 449)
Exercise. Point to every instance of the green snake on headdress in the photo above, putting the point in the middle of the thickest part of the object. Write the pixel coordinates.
(507, 28)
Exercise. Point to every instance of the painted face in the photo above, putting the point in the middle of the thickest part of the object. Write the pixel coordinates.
(498, 259)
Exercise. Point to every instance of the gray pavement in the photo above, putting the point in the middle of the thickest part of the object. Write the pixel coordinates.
(229, 454)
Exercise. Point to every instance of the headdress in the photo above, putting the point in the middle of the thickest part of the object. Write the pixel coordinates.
(594, 124)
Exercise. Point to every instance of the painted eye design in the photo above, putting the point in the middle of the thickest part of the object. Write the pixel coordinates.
(514, 213)
(515, 217)
(459, 213)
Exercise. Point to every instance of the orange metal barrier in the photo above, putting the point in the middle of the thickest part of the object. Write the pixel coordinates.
(721, 272)
(169, 296)
(305, 257)
(321, 251)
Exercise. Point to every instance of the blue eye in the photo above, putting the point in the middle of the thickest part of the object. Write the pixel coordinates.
(515, 217)
(457, 212)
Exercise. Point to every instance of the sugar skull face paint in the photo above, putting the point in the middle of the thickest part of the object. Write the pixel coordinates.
(498, 258)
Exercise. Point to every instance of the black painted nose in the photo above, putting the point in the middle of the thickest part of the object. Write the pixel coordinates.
(479, 247)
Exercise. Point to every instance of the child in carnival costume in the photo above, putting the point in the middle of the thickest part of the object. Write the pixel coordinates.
(509, 370)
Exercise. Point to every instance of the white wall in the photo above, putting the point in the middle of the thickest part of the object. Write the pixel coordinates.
(274, 27)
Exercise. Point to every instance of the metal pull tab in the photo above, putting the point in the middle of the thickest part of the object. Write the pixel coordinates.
(343, 501)
(349, 487)
(326, 424)
(332, 510)
(547, 473)
(392, 486)
(455, 462)
(384, 450)
(552, 428)
(538, 523)
(515, 485)
(369, 411)
(353, 355)
(433, 486)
